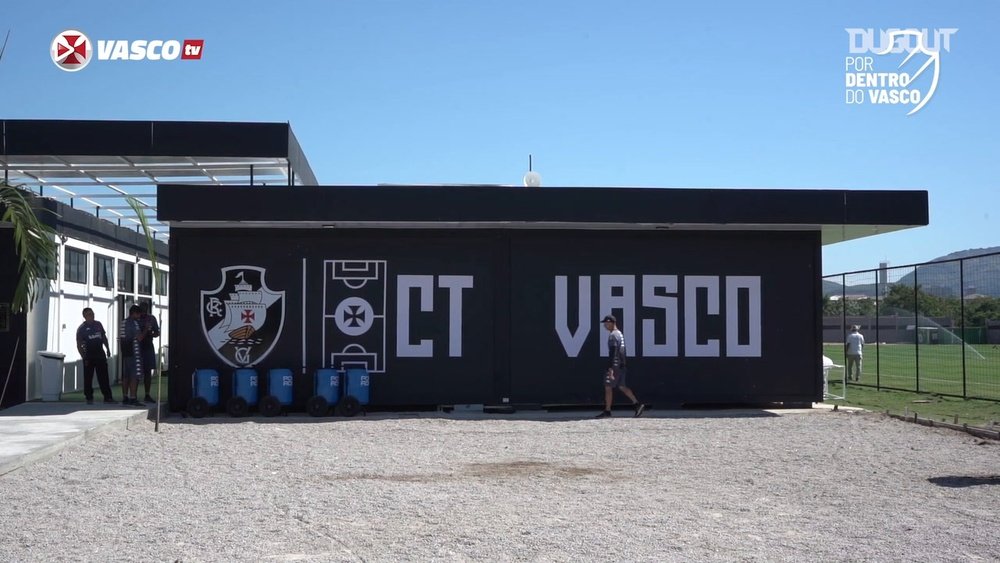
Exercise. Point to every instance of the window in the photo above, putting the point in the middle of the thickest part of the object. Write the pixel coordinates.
(145, 280)
(161, 283)
(47, 266)
(76, 265)
(126, 276)
(104, 271)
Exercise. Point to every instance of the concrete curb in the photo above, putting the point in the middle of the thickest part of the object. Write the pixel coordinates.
(976, 431)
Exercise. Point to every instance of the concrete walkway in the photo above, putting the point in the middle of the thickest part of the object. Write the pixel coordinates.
(34, 431)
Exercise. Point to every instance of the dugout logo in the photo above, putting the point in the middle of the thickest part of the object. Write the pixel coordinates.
(242, 318)
(895, 66)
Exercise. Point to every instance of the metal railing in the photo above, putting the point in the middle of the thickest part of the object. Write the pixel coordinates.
(932, 327)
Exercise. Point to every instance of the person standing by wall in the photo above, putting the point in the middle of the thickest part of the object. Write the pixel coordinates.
(854, 347)
(150, 330)
(132, 356)
(92, 342)
(615, 375)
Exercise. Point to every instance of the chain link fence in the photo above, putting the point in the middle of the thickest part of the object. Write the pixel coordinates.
(927, 328)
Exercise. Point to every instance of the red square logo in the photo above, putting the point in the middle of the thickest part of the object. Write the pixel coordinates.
(192, 49)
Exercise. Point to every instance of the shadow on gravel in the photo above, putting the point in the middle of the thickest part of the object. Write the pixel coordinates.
(959, 481)
(522, 415)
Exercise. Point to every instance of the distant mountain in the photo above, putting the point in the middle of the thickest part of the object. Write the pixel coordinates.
(834, 288)
(981, 275)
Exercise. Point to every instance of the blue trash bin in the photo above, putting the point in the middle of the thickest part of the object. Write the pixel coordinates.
(204, 392)
(280, 385)
(357, 391)
(247, 385)
(245, 392)
(359, 384)
(328, 385)
(326, 391)
(280, 391)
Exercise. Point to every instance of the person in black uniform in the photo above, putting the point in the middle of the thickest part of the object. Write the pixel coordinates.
(151, 330)
(92, 342)
(132, 356)
(617, 372)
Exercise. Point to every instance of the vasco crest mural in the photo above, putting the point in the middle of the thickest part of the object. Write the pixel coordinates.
(242, 318)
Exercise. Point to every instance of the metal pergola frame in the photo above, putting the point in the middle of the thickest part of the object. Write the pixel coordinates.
(96, 166)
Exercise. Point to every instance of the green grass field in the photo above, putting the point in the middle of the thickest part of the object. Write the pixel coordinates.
(940, 375)
(895, 365)
(77, 396)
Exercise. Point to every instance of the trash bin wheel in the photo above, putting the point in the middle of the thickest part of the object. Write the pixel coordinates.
(237, 406)
(349, 406)
(317, 406)
(270, 406)
(197, 407)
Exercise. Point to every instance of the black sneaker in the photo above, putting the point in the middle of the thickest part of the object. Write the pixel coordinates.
(110, 402)
(90, 401)
(149, 400)
(639, 410)
(604, 414)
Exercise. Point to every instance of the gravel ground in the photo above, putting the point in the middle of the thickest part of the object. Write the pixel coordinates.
(821, 486)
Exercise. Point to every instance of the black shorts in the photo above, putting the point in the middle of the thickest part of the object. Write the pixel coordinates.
(148, 358)
(620, 379)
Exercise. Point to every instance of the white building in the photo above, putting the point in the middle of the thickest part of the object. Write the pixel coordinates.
(82, 173)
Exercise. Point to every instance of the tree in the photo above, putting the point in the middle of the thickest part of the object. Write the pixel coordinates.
(34, 244)
(850, 307)
(34, 241)
(901, 300)
(978, 311)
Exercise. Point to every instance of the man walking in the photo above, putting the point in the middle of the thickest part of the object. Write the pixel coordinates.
(854, 346)
(615, 376)
(92, 342)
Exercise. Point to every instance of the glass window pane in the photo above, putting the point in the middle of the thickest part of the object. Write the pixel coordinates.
(161, 283)
(126, 276)
(104, 271)
(75, 265)
(145, 280)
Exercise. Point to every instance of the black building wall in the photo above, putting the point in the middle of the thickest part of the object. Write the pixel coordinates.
(12, 327)
(480, 316)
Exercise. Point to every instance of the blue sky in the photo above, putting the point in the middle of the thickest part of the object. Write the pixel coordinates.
(658, 94)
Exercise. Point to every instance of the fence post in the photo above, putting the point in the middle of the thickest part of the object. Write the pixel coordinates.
(916, 327)
(961, 307)
(843, 317)
(878, 290)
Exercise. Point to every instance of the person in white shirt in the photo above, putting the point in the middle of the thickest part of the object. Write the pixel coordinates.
(854, 348)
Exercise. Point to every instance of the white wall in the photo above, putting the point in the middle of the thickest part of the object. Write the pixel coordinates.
(54, 319)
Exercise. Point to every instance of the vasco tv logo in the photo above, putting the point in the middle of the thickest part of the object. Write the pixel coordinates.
(72, 50)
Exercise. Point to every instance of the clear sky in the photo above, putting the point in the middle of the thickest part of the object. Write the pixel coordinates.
(659, 94)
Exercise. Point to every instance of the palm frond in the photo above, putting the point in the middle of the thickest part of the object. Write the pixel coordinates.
(34, 245)
(4, 48)
(150, 240)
